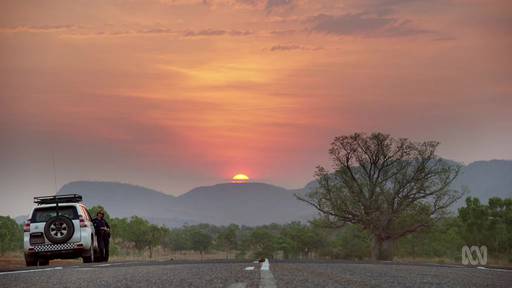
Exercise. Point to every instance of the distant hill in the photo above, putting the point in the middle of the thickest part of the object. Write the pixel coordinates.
(245, 204)
(253, 203)
(122, 200)
(486, 179)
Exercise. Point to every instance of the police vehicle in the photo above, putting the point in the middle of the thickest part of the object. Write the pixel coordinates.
(59, 227)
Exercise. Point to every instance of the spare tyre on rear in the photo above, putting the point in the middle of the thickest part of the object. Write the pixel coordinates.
(59, 229)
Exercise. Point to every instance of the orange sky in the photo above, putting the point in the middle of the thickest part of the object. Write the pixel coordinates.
(176, 94)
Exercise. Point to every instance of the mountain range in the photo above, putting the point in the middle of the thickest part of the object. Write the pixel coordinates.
(254, 204)
(242, 203)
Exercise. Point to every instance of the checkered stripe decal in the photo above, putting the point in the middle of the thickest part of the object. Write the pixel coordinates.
(54, 247)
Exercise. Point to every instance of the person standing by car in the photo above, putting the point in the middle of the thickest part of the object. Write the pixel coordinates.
(102, 234)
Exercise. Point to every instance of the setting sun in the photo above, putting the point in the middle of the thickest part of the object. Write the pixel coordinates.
(240, 178)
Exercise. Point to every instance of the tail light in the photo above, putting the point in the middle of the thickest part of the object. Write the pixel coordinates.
(82, 222)
(26, 226)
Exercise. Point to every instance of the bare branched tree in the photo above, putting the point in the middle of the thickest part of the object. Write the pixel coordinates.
(390, 187)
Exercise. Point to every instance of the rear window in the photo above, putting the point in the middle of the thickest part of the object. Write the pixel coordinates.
(43, 214)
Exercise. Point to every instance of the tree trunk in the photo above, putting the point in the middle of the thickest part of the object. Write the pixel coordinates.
(382, 249)
(150, 252)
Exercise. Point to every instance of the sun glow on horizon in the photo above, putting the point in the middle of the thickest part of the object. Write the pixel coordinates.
(240, 178)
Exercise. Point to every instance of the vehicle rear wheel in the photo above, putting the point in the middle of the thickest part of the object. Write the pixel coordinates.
(59, 229)
(88, 257)
(30, 260)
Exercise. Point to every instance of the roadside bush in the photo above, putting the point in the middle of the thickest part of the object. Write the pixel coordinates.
(11, 235)
(351, 243)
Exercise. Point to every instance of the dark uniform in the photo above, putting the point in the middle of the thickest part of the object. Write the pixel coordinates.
(103, 237)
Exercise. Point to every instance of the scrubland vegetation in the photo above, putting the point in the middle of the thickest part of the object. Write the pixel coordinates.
(475, 224)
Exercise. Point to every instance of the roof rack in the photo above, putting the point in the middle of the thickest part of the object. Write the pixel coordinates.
(56, 199)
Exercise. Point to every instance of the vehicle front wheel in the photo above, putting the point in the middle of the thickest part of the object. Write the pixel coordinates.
(30, 260)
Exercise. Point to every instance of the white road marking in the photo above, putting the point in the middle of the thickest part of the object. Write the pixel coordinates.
(249, 268)
(267, 279)
(493, 269)
(238, 285)
(265, 265)
(33, 270)
(103, 265)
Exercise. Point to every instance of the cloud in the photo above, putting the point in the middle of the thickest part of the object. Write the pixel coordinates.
(207, 32)
(252, 3)
(39, 28)
(268, 5)
(156, 31)
(362, 24)
(215, 32)
(83, 31)
(278, 4)
(382, 7)
(291, 47)
(240, 33)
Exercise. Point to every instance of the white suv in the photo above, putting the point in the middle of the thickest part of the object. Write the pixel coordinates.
(59, 227)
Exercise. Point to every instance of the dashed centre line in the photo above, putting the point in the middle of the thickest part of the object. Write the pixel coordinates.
(265, 265)
(267, 279)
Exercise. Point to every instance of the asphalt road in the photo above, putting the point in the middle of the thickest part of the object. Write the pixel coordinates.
(247, 274)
